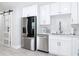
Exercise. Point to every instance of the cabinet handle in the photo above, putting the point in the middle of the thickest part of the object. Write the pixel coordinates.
(8, 29)
(58, 43)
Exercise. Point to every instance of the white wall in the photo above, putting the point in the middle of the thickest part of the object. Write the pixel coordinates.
(16, 23)
(1, 28)
(16, 28)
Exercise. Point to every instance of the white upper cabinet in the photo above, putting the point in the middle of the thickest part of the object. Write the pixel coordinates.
(44, 15)
(60, 8)
(65, 7)
(54, 26)
(74, 14)
(54, 9)
(78, 12)
(30, 11)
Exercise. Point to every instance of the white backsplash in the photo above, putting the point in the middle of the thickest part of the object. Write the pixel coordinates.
(44, 29)
(66, 27)
(75, 29)
(66, 22)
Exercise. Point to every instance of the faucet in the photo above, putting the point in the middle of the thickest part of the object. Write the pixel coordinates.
(60, 30)
(74, 31)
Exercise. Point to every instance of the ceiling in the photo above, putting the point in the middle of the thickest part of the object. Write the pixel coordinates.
(9, 5)
(13, 4)
(4, 5)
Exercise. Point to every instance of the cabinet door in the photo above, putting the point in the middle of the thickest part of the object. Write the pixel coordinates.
(74, 12)
(75, 46)
(30, 11)
(53, 45)
(54, 9)
(78, 13)
(65, 7)
(44, 15)
(25, 12)
(65, 48)
(60, 45)
(54, 27)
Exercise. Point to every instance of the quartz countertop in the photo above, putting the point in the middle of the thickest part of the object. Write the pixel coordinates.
(64, 35)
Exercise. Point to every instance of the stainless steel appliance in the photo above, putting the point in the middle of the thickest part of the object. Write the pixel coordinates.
(29, 32)
(42, 42)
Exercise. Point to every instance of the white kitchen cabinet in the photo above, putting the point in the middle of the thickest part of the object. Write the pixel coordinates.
(54, 24)
(74, 13)
(60, 46)
(53, 48)
(65, 7)
(54, 9)
(44, 15)
(65, 47)
(60, 8)
(30, 11)
(78, 13)
(75, 46)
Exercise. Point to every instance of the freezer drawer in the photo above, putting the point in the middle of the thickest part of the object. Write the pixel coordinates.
(29, 43)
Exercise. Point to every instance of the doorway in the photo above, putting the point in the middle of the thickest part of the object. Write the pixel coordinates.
(7, 32)
(5, 29)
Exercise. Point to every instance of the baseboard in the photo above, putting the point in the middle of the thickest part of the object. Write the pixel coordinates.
(16, 47)
(43, 51)
(1, 43)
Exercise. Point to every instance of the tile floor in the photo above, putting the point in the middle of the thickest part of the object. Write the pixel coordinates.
(6, 51)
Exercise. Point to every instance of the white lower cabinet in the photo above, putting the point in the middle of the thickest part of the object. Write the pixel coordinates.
(75, 46)
(60, 46)
(65, 48)
(53, 48)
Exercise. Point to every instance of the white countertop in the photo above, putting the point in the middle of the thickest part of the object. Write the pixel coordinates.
(65, 35)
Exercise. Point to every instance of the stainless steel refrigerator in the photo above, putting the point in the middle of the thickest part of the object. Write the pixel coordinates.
(29, 32)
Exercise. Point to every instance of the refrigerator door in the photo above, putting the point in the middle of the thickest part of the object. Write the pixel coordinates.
(31, 26)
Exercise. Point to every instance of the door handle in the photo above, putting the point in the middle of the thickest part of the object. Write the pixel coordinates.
(8, 29)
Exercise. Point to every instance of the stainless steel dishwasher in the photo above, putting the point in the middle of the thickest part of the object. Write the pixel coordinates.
(42, 43)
